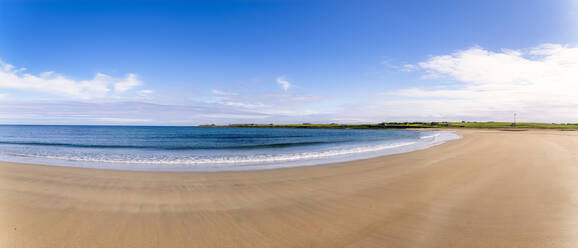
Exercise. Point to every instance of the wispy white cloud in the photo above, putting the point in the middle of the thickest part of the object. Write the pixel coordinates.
(126, 84)
(81, 112)
(100, 86)
(408, 68)
(232, 99)
(280, 104)
(223, 93)
(146, 92)
(283, 83)
(396, 65)
(541, 82)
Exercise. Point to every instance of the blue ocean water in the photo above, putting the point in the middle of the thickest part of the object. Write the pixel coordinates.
(202, 148)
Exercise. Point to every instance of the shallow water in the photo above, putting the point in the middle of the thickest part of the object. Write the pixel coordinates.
(202, 148)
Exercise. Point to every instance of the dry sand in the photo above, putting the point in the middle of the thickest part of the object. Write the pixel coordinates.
(490, 189)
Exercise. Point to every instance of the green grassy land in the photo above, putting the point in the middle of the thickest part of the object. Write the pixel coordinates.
(402, 125)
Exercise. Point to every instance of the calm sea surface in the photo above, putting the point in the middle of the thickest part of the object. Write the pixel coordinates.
(202, 148)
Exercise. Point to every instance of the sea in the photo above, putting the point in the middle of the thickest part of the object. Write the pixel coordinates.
(156, 148)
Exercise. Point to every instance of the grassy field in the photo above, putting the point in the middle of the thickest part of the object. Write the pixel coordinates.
(403, 125)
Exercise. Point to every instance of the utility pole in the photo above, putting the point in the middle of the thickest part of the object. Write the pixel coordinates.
(515, 119)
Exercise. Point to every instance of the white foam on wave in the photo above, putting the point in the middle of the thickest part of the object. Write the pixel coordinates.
(430, 136)
(249, 162)
(230, 159)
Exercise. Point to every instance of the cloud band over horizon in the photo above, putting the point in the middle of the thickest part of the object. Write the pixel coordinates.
(540, 83)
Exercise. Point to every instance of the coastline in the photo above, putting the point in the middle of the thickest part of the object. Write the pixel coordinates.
(488, 189)
(274, 159)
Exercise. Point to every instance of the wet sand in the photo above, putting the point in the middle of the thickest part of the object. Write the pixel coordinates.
(489, 189)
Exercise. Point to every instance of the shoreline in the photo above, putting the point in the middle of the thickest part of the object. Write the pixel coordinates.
(332, 156)
(488, 189)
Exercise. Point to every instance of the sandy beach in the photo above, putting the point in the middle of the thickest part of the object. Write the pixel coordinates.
(489, 189)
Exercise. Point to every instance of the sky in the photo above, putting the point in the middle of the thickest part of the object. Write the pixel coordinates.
(274, 61)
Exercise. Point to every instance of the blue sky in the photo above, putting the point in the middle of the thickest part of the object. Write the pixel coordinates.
(193, 62)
